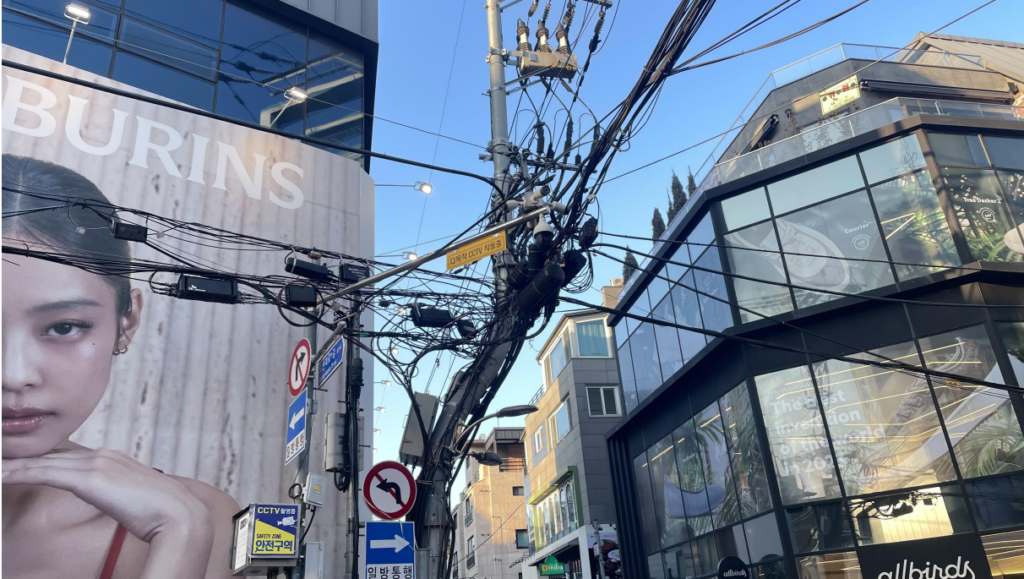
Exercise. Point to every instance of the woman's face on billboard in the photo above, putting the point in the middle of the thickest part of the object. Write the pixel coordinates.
(60, 329)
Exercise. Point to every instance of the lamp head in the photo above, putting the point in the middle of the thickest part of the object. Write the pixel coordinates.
(518, 410)
(296, 94)
(426, 188)
(487, 458)
(78, 13)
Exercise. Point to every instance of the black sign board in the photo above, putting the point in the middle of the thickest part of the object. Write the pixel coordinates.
(953, 557)
(732, 568)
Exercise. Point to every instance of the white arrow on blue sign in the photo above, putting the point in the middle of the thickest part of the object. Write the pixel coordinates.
(390, 543)
(296, 438)
(331, 361)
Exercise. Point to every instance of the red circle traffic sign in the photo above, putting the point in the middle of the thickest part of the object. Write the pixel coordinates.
(298, 368)
(389, 490)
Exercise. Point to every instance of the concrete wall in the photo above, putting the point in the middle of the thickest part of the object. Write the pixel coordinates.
(359, 16)
(497, 514)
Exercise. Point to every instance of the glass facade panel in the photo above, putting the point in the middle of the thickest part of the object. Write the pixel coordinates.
(892, 159)
(155, 44)
(675, 564)
(656, 566)
(705, 555)
(914, 224)
(983, 214)
(668, 339)
(687, 312)
(714, 299)
(50, 41)
(803, 464)
(745, 452)
(1005, 553)
(754, 252)
(591, 338)
(691, 476)
(910, 515)
(981, 422)
(997, 502)
(657, 288)
(744, 209)
(646, 363)
(1012, 335)
(832, 232)
(1006, 152)
(701, 238)
(668, 498)
(645, 502)
(819, 527)
(630, 399)
(198, 20)
(816, 185)
(958, 149)
(763, 538)
(715, 457)
(334, 82)
(148, 75)
(101, 27)
(884, 428)
(732, 542)
(831, 566)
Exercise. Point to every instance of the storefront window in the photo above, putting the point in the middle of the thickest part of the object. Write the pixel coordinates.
(997, 502)
(816, 185)
(1005, 553)
(754, 252)
(763, 538)
(705, 555)
(745, 452)
(744, 209)
(655, 566)
(981, 422)
(645, 501)
(687, 311)
(646, 363)
(691, 476)
(1005, 152)
(675, 564)
(715, 458)
(732, 542)
(983, 215)
(819, 527)
(892, 159)
(830, 566)
(883, 424)
(841, 229)
(914, 225)
(773, 570)
(668, 339)
(668, 496)
(803, 463)
(910, 515)
(1012, 335)
(958, 149)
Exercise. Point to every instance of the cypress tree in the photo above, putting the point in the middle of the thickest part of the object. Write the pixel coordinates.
(629, 265)
(657, 224)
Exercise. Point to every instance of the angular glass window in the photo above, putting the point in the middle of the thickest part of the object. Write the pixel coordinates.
(645, 503)
(763, 539)
(816, 185)
(958, 149)
(101, 27)
(164, 81)
(668, 339)
(646, 363)
(687, 311)
(198, 20)
(1005, 152)
(910, 515)
(997, 503)
(620, 334)
(658, 287)
(591, 338)
(915, 226)
(745, 454)
(628, 380)
(713, 299)
(155, 44)
(1004, 554)
(981, 422)
(717, 473)
(744, 209)
(983, 215)
(691, 476)
(883, 424)
(834, 233)
(1012, 335)
(754, 252)
(668, 498)
(334, 81)
(819, 527)
(803, 462)
(830, 566)
(50, 41)
(893, 158)
(701, 238)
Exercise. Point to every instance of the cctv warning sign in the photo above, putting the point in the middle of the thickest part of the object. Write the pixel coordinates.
(276, 527)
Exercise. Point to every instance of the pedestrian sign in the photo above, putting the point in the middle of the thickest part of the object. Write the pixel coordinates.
(390, 552)
(296, 438)
(331, 361)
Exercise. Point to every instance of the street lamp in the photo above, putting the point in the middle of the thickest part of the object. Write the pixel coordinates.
(517, 410)
(294, 95)
(78, 14)
(487, 458)
(425, 188)
(384, 382)
(381, 409)
(411, 256)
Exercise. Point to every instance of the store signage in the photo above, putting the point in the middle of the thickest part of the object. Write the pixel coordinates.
(732, 568)
(954, 557)
(552, 566)
(472, 252)
(839, 95)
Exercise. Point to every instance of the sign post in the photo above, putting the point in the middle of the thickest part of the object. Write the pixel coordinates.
(389, 490)
(389, 550)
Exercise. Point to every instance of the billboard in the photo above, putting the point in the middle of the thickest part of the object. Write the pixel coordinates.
(105, 381)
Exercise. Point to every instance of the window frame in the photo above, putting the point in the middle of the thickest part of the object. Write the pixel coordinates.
(552, 421)
(608, 338)
(521, 493)
(606, 414)
(549, 376)
(526, 536)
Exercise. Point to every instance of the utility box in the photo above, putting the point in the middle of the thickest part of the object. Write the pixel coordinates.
(547, 65)
(264, 537)
(411, 451)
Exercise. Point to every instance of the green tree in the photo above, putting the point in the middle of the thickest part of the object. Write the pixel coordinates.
(657, 224)
(629, 265)
(678, 198)
(691, 183)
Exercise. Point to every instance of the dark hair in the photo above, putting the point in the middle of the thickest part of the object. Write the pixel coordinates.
(59, 227)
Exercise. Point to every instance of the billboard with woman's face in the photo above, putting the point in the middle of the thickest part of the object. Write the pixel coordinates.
(135, 424)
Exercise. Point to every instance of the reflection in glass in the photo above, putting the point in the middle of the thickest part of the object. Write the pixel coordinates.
(628, 381)
(335, 86)
(803, 463)
(164, 81)
(668, 499)
(884, 427)
(714, 300)
(892, 159)
(831, 566)
(832, 232)
(815, 185)
(701, 238)
(997, 502)
(914, 224)
(1005, 151)
(1013, 188)
(668, 339)
(198, 20)
(645, 503)
(983, 215)
(714, 455)
(763, 539)
(958, 149)
(744, 209)
(1012, 335)
(655, 566)
(773, 570)
(819, 527)
(981, 422)
(745, 452)
(910, 515)
(646, 364)
(675, 563)
(732, 542)
(754, 252)
(658, 287)
(705, 555)
(697, 499)
(50, 41)
(1005, 553)
(687, 311)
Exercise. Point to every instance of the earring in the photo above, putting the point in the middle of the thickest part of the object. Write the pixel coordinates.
(119, 352)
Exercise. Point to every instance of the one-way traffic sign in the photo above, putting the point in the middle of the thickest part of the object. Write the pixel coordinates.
(296, 423)
(389, 550)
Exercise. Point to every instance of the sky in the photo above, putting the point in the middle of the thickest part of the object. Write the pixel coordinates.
(432, 75)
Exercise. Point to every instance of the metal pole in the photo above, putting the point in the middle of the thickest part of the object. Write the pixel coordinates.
(352, 396)
(302, 470)
(67, 50)
(600, 553)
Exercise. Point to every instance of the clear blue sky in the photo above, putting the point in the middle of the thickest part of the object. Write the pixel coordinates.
(420, 42)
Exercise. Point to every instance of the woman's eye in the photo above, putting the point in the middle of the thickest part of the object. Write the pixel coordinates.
(65, 329)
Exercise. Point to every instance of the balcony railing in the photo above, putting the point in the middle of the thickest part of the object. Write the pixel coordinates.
(512, 465)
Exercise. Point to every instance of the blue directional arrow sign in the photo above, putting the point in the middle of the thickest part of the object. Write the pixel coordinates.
(296, 438)
(390, 543)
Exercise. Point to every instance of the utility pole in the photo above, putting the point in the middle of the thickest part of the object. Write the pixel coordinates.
(353, 389)
(302, 472)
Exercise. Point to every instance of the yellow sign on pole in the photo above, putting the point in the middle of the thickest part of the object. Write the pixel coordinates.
(471, 252)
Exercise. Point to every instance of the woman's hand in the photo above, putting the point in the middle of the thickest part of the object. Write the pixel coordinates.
(152, 506)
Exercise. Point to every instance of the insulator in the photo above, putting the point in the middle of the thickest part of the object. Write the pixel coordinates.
(568, 138)
(575, 261)
(579, 159)
(542, 38)
(544, 15)
(597, 137)
(523, 34)
(563, 39)
(551, 153)
(533, 9)
(570, 12)
(541, 289)
(540, 138)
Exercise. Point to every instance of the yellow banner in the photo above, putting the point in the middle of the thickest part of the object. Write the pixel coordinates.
(476, 251)
(270, 540)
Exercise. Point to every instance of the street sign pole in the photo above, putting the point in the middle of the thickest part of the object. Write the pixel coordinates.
(302, 470)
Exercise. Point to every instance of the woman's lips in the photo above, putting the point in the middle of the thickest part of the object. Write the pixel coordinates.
(23, 420)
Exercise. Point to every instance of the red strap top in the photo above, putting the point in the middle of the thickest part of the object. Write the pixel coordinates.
(115, 549)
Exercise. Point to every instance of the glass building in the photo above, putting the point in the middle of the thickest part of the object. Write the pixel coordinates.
(237, 58)
(865, 226)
